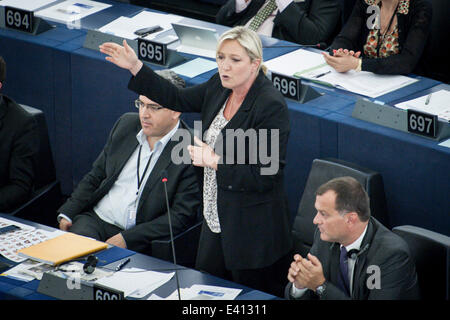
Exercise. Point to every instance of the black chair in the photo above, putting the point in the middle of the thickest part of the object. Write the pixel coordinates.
(433, 63)
(323, 170)
(431, 253)
(346, 9)
(186, 245)
(46, 195)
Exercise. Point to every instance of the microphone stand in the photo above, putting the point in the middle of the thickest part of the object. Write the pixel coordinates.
(164, 180)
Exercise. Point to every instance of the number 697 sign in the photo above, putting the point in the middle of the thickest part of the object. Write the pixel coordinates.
(422, 123)
(288, 86)
(19, 19)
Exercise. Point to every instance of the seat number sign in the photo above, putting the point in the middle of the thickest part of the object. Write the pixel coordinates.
(152, 51)
(19, 19)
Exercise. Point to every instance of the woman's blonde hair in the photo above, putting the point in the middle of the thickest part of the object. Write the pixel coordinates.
(249, 40)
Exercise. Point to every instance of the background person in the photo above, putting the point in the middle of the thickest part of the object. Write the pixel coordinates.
(303, 21)
(122, 199)
(19, 145)
(394, 48)
(353, 256)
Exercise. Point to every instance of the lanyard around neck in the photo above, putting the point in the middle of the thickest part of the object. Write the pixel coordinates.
(140, 179)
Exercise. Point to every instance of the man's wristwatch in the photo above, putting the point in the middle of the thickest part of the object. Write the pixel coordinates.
(320, 290)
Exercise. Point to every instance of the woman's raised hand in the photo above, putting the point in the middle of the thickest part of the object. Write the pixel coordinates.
(122, 56)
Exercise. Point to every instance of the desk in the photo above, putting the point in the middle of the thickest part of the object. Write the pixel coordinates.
(83, 95)
(15, 289)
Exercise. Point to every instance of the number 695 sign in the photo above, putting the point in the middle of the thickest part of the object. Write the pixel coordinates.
(288, 86)
(152, 52)
(19, 19)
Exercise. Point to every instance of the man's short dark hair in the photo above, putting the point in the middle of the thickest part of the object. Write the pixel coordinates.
(172, 77)
(2, 70)
(350, 196)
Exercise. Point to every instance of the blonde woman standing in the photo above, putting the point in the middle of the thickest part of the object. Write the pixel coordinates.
(246, 231)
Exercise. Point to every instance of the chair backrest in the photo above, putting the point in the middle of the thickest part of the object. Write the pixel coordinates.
(437, 46)
(431, 252)
(346, 9)
(323, 170)
(45, 172)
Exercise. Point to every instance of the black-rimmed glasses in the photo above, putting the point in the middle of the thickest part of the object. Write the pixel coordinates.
(151, 106)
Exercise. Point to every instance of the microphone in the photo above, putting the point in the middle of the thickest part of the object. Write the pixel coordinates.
(320, 45)
(164, 179)
(354, 253)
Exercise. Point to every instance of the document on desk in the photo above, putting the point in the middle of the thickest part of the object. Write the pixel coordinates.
(202, 292)
(125, 27)
(135, 282)
(195, 67)
(438, 104)
(28, 270)
(30, 5)
(24, 237)
(295, 61)
(71, 10)
(311, 66)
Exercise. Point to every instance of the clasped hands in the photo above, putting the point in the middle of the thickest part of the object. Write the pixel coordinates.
(306, 272)
(342, 60)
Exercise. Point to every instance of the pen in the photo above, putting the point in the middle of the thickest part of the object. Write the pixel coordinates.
(428, 99)
(122, 264)
(322, 74)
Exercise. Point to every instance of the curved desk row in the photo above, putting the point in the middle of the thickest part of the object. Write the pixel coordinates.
(83, 95)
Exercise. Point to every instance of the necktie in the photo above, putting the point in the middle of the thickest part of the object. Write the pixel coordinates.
(343, 281)
(262, 15)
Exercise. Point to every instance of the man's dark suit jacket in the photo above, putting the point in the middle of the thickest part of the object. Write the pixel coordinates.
(19, 144)
(252, 208)
(151, 218)
(386, 250)
(308, 22)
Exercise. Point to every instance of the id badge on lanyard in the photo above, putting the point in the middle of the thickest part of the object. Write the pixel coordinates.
(132, 209)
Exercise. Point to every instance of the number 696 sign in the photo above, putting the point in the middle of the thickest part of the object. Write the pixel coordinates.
(288, 86)
(19, 19)
(152, 52)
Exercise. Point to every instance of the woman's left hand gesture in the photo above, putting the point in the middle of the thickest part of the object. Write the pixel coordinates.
(203, 155)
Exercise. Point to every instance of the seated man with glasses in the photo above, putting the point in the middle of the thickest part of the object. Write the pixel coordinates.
(122, 199)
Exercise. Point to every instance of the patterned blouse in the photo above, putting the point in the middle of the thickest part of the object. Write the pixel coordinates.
(389, 42)
(209, 175)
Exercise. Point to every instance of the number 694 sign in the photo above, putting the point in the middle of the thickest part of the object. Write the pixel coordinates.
(152, 51)
(19, 19)
(288, 86)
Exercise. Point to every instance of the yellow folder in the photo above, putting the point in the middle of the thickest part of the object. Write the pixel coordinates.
(63, 248)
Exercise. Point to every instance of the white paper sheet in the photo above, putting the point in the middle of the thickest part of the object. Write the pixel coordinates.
(121, 27)
(195, 67)
(135, 282)
(148, 19)
(439, 104)
(71, 10)
(311, 65)
(30, 5)
(28, 270)
(202, 292)
(295, 61)
(125, 27)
